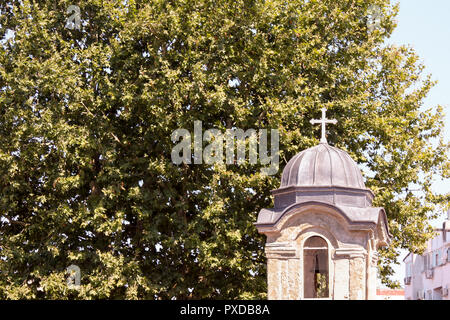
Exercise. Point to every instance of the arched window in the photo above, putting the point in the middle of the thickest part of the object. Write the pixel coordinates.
(315, 268)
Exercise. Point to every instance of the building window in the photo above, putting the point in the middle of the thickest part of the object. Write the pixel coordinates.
(316, 268)
(408, 269)
(433, 259)
(437, 293)
(425, 262)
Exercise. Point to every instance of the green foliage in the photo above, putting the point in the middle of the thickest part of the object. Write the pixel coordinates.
(322, 290)
(86, 115)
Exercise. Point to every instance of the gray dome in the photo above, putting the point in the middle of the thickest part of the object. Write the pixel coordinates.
(322, 165)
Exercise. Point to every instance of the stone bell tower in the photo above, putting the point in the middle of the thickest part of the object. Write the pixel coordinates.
(323, 233)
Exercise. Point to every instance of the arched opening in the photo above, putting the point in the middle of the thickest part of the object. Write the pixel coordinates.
(315, 268)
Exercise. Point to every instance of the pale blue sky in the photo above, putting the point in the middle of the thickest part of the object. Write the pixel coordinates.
(425, 25)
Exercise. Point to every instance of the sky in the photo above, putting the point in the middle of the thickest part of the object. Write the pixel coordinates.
(425, 26)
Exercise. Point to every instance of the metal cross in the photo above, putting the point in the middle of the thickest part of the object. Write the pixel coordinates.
(323, 121)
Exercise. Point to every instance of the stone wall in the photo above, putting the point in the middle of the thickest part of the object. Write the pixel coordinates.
(352, 266)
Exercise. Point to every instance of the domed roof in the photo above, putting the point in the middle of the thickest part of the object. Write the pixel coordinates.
(322, 165)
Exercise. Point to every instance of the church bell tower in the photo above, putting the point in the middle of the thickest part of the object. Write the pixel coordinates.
(323, 233)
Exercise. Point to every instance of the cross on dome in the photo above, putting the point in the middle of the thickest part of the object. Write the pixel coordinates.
(323, 122)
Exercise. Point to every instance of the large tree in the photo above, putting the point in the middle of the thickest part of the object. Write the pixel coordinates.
(86, 117)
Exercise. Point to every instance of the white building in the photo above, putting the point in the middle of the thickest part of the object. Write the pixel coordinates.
(427, 276)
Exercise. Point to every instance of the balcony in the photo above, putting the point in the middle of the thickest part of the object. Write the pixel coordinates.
(407, 280)
(420, 295)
